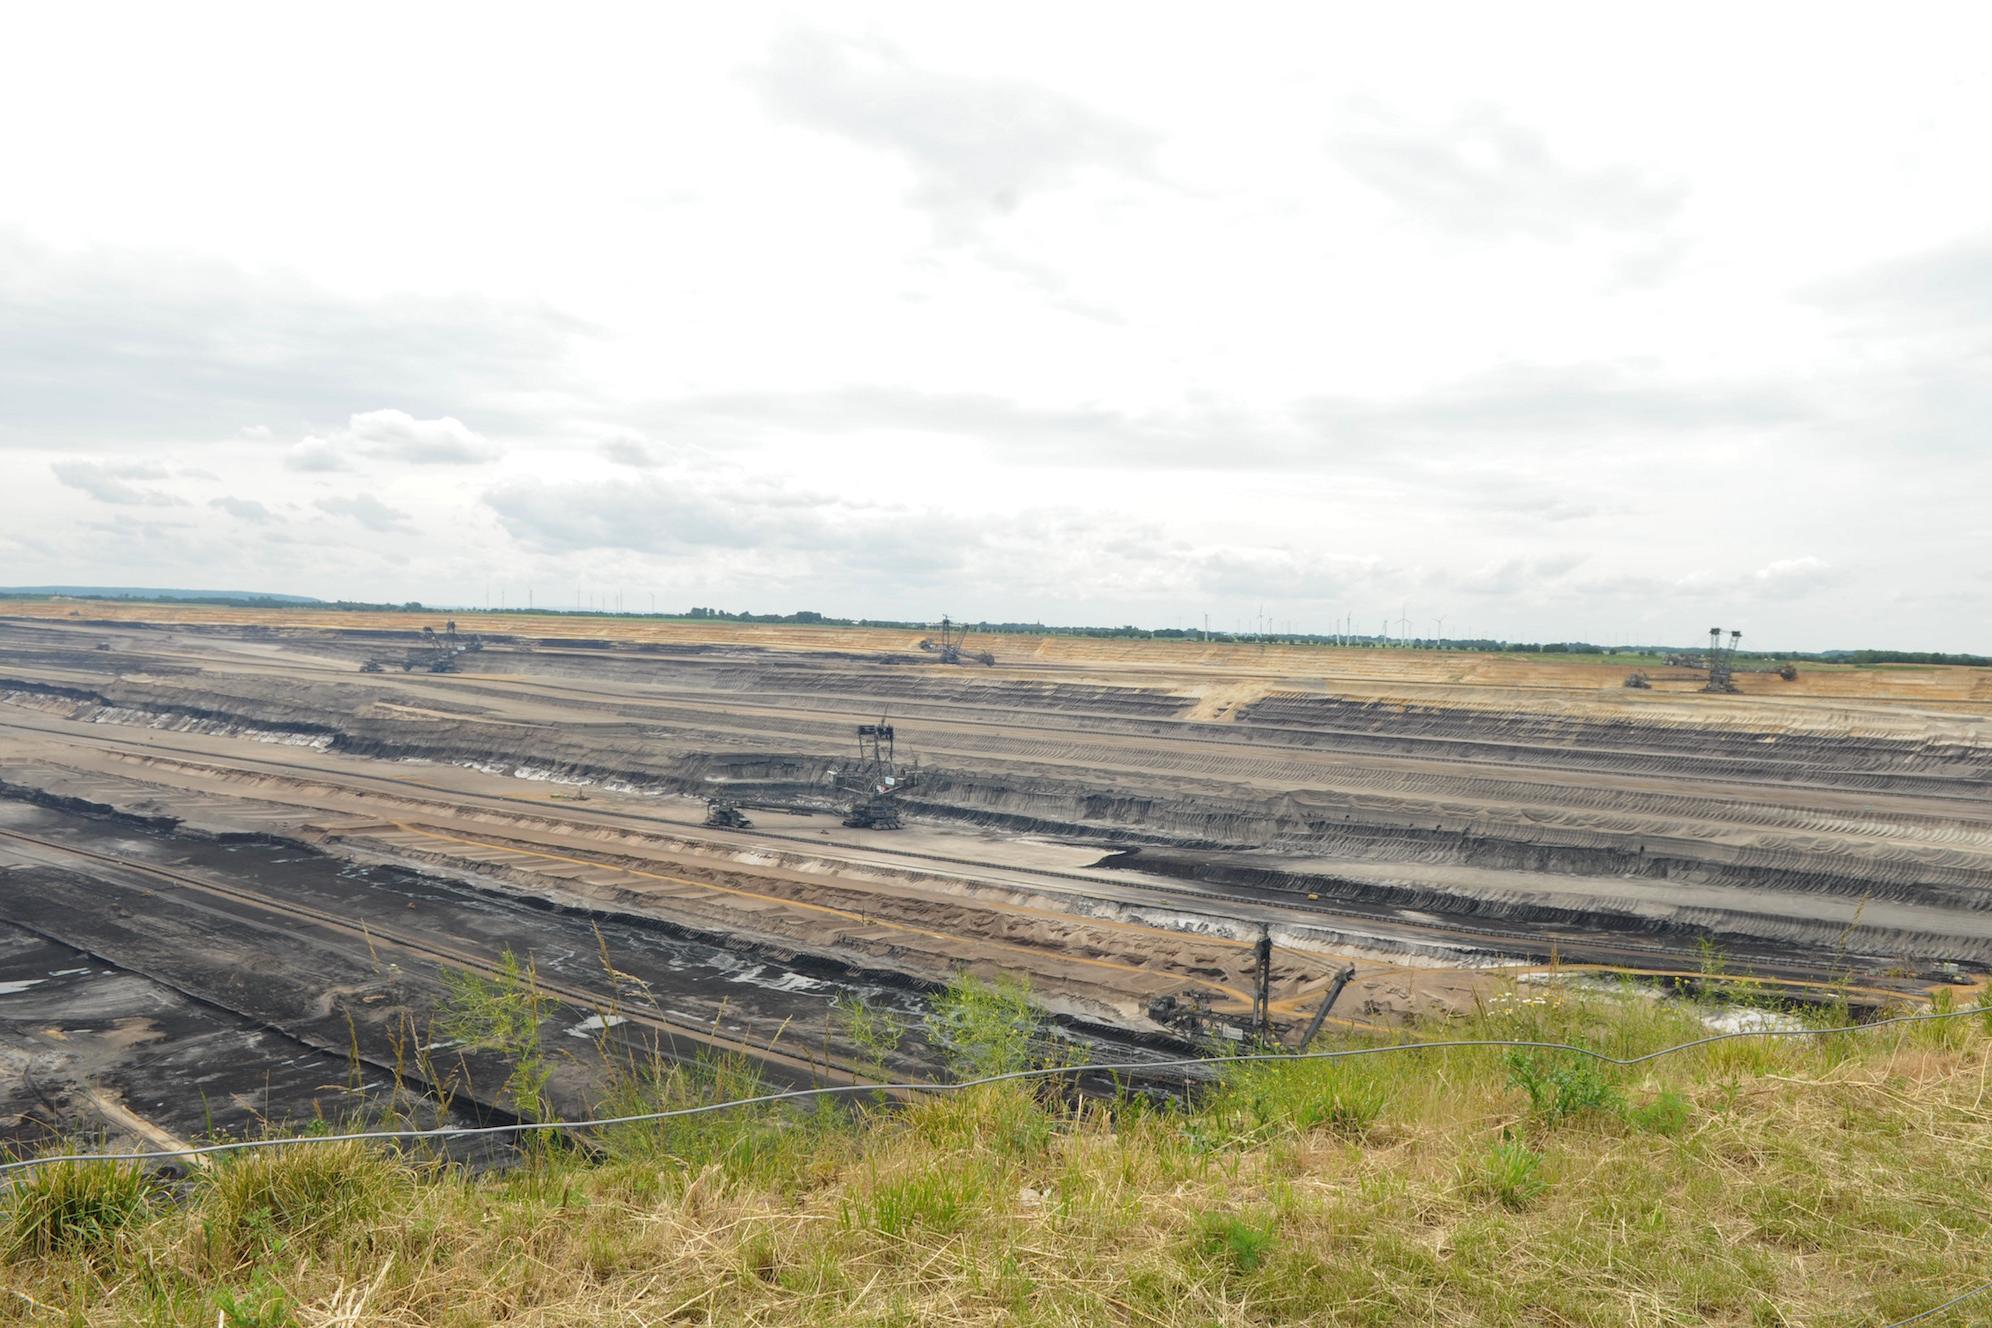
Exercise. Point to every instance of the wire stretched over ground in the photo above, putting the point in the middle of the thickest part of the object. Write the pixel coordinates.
(24, 1165)
(21, 1165)
(1935, 1310)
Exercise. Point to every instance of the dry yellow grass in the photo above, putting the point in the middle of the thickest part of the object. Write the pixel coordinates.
(1412, 676)
(1835, 1183)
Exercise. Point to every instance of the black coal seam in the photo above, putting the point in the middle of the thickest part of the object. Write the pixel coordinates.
(1628, 736)
(801, 961)
(1594, 926)
(487, 1113)
(168, 709)
(1106, 818)
(1118, 819)
(33, 688)
(1061, 814)
(1566, 751)
(1567, 735)
(1384, 841)
(81, 807)
(808, 964)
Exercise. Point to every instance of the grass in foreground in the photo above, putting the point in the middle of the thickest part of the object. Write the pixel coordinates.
(1820, 1182)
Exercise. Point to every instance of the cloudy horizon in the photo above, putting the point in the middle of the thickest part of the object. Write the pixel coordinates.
(1550, 322)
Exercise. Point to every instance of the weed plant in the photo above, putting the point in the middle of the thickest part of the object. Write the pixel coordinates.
(1833, 1182)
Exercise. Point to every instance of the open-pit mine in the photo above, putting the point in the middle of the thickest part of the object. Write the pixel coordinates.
(240, 849)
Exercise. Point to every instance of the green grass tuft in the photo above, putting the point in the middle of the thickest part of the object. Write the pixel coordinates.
(1344, 1098)
(1666, 1114)
(261, 1304)
(1561, 1085)
(1511, 1173)
(940, 1200)
(73, 1207)
(1234, 1241)
(304, 1197)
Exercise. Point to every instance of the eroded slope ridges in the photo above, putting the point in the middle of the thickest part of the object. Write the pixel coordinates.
(1534, 819)
(868, 683)
(1286, 740)
(68, 649)
(1738, 749)
(1715, 741)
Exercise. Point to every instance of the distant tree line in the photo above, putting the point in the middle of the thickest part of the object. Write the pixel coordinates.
(1899, 657)
(810, 617)
(799, 616)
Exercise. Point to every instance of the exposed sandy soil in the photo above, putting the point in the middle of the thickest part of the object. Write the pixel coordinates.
(1116, 820)
(1430, 676)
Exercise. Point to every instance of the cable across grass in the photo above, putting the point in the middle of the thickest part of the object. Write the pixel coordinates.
(1825, 1181)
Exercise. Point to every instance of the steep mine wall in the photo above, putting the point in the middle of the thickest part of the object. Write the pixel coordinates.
(1468, 809)
(1042, 798)
(1714, 752)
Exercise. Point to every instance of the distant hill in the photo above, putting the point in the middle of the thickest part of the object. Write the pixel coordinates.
(153, 592)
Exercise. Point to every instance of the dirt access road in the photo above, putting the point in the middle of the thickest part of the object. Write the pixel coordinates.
(1117, 820)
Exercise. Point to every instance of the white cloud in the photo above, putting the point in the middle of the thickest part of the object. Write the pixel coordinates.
(106, 482)
(1020, 313)
(978, 146)
(1517, 576)
(103, 345)
(397, 435)
(317, 454)
(368, 510)
(1482, 173)
(248, 509)
(626, 451)
(392, 436)
(1795, 576)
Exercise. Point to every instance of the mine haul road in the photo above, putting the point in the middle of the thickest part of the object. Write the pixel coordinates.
(1115, 822)
(317, 786)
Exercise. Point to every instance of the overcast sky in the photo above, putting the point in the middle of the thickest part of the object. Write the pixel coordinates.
(1595, 322)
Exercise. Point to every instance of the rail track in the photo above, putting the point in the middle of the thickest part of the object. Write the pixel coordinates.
(1479, 939)
(1398, 748)
(1410, 793)
(378, 936)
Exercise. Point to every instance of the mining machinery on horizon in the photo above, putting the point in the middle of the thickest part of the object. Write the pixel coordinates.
(952, 647)
(875, 782)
